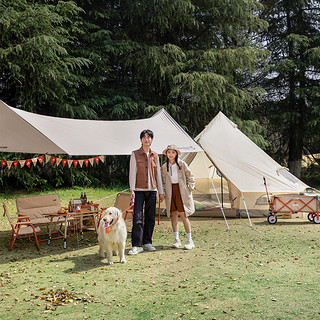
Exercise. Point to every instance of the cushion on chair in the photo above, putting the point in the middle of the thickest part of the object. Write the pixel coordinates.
(36, 206)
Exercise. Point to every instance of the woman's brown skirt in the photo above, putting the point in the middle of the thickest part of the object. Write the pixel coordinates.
(176, 201)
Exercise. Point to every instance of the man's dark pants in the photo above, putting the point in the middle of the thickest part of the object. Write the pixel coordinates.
(142, 229)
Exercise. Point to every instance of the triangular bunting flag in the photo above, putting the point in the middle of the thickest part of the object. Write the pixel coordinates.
(101, 158)
(75, 163)
(9, 164)
(22, 163)
(40, 159)
(47, 158)
(81, 163)
(28, 162)
(69, 163)
(15, 162)
(53, 160)
(91, 161)
(97, 160)
(3, 163)
(34, 161)
(86, 162)
(64, 162)
(58, 161)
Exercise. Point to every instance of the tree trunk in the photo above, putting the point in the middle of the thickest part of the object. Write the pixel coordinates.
(297, 105)
(295, 167)
(296, 142)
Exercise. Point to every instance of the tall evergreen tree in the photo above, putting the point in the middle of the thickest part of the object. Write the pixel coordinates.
(36, 69)
(293, 80)
(127, 59)
(190, 56)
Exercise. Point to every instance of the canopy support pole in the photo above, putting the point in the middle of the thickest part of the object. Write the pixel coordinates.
(224, 216)
(221, 187)
(245, 205)
(78, 242)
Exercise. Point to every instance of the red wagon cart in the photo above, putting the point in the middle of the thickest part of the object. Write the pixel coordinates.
(293, 203)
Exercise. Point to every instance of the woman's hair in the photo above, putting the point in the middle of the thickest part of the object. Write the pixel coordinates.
(176, 159)
(148, 132)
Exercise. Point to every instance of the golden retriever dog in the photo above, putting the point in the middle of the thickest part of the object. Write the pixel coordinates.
(112, 235)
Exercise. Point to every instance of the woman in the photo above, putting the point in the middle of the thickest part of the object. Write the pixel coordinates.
(178, 182)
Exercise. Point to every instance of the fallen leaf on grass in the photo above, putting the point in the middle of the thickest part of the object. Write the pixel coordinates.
(58, 298)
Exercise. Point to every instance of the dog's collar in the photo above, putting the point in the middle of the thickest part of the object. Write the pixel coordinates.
(109, 229)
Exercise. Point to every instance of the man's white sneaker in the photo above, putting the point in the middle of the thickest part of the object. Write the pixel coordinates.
(149, 247)
(177, 243)
(189, 245)
(135, 250)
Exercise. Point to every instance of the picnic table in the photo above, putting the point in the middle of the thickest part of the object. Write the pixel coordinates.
(77, 216)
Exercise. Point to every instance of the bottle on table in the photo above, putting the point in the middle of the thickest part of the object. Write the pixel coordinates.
(81, 198)
(70, 206)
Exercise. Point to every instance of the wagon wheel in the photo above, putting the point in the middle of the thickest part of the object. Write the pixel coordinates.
(315, 219)
(310, 216)
(272, 219)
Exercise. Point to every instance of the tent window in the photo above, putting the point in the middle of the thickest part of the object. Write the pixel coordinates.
(262, 200)
(285, 173)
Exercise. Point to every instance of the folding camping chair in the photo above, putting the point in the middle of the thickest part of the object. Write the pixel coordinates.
(22, 227)
(38, 210)
(123, 202)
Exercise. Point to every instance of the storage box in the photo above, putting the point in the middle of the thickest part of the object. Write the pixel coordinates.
(290, 215)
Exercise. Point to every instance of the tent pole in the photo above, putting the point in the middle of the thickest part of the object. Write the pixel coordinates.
(224, 216)
(77, 233)
(221, 187)
(244, 202)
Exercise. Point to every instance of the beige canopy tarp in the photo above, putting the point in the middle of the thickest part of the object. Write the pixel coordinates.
(26, 132)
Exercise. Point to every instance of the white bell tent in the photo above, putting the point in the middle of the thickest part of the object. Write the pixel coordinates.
(242, 164)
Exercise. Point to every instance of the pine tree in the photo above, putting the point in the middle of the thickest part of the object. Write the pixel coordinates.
(293, 80)
(36, 69)
(191, 57)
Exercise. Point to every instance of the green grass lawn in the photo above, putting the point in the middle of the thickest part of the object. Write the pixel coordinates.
(263, 272)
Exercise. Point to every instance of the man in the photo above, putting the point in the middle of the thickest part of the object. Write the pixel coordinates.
(145, 181)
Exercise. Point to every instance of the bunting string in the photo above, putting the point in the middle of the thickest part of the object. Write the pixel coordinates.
(52, 160)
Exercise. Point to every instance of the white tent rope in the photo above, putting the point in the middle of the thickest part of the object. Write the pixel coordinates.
(224, 216)
(245, 205)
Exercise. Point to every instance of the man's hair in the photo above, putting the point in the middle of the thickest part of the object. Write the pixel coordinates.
(149, 132)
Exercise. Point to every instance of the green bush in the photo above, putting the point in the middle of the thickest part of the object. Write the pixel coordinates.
(113, 172)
